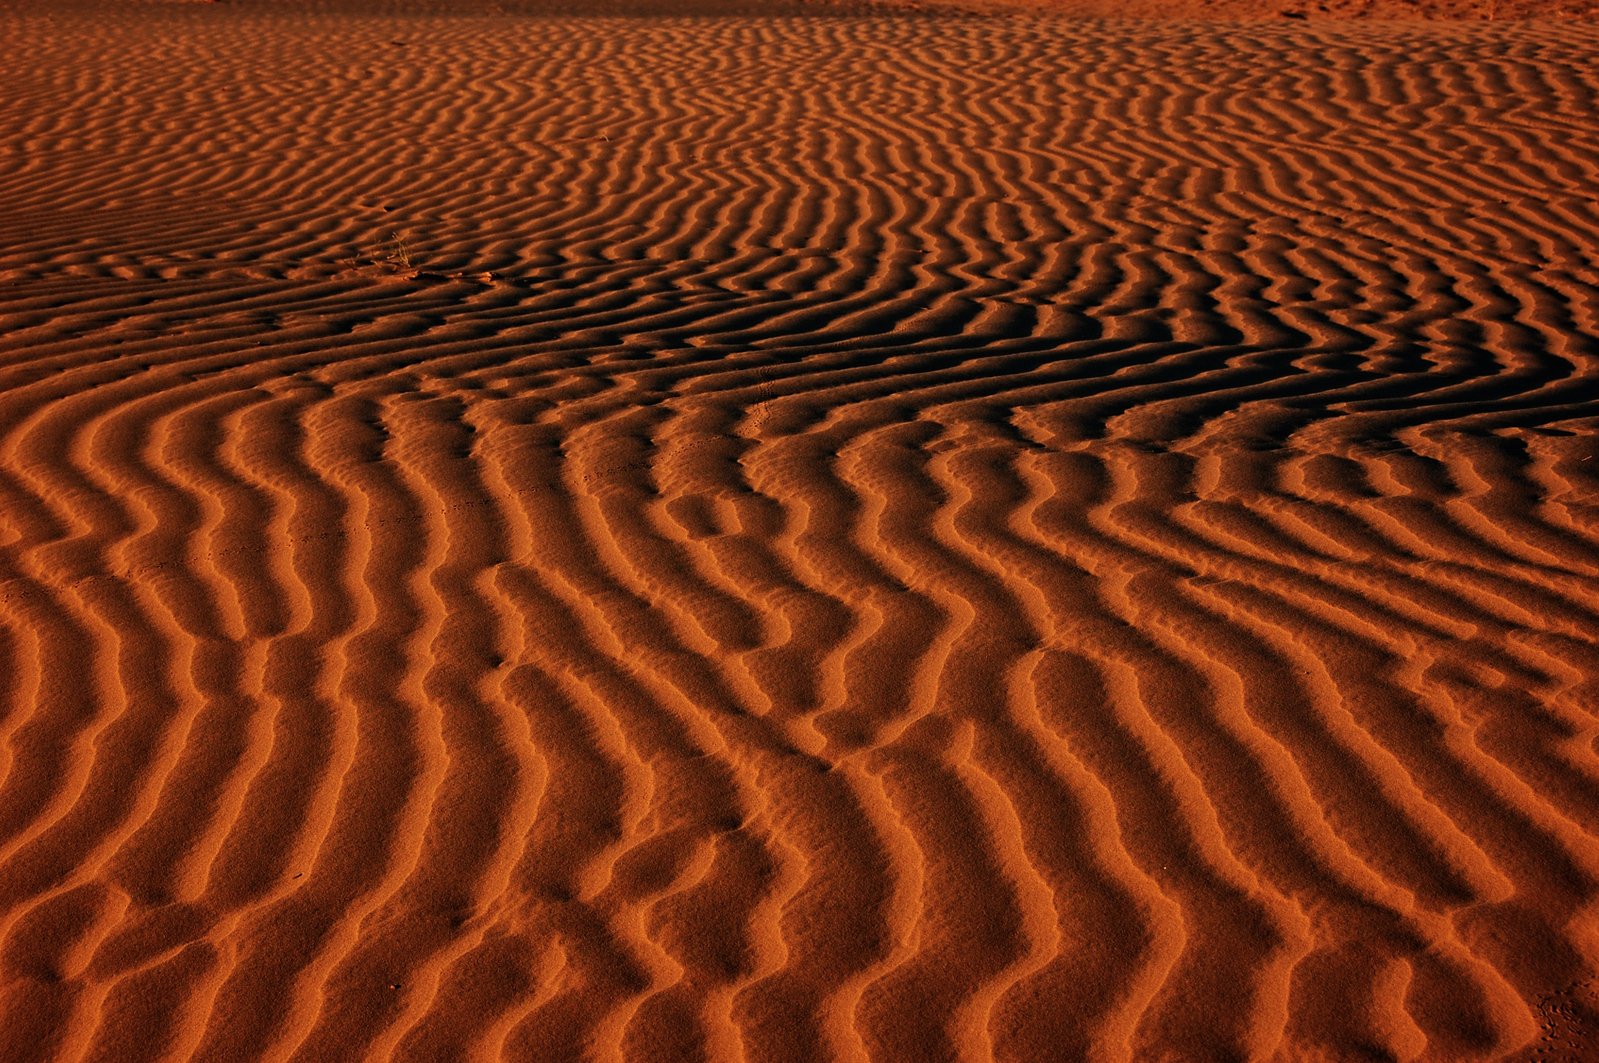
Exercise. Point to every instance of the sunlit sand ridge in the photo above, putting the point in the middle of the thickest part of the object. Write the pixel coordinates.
(796, 539)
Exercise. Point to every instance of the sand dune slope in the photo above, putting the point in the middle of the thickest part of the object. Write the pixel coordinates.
(781, 539)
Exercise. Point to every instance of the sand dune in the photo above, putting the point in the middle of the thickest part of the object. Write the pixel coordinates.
(794, 539)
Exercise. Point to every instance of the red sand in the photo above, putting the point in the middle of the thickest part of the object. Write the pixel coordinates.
(782, 538)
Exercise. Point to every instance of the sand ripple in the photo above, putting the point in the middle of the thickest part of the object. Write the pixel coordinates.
(783, 539)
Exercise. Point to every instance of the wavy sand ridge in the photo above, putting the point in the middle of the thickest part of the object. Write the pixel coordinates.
(778, 539)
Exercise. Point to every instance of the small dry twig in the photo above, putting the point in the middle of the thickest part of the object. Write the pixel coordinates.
(399, 253)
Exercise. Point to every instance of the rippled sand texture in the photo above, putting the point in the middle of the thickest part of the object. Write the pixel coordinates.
(893, 539)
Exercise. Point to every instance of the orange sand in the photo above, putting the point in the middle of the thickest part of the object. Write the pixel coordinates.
(778, 538)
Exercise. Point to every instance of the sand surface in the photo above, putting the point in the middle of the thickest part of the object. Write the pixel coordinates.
(768, 538)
